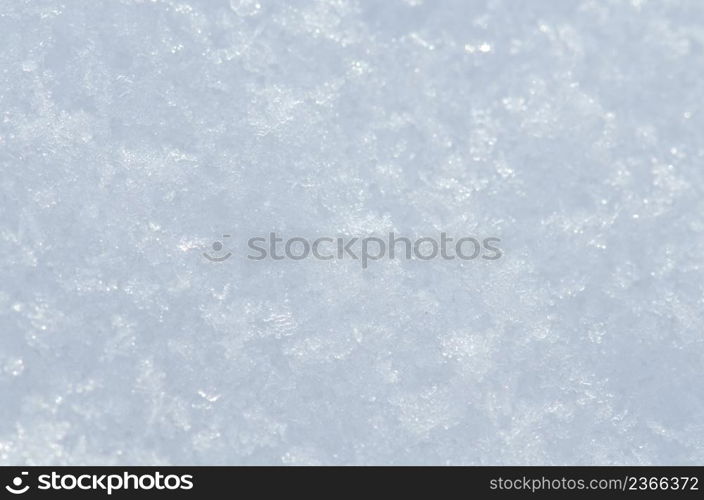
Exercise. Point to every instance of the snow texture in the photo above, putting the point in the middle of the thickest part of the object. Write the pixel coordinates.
(134, 133)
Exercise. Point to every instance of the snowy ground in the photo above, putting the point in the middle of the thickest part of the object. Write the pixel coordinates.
(135, 133)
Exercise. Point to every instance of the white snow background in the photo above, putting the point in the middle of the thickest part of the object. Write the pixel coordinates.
(135, 133)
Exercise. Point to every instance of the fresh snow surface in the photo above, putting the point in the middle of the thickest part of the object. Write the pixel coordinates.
(135, 133)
